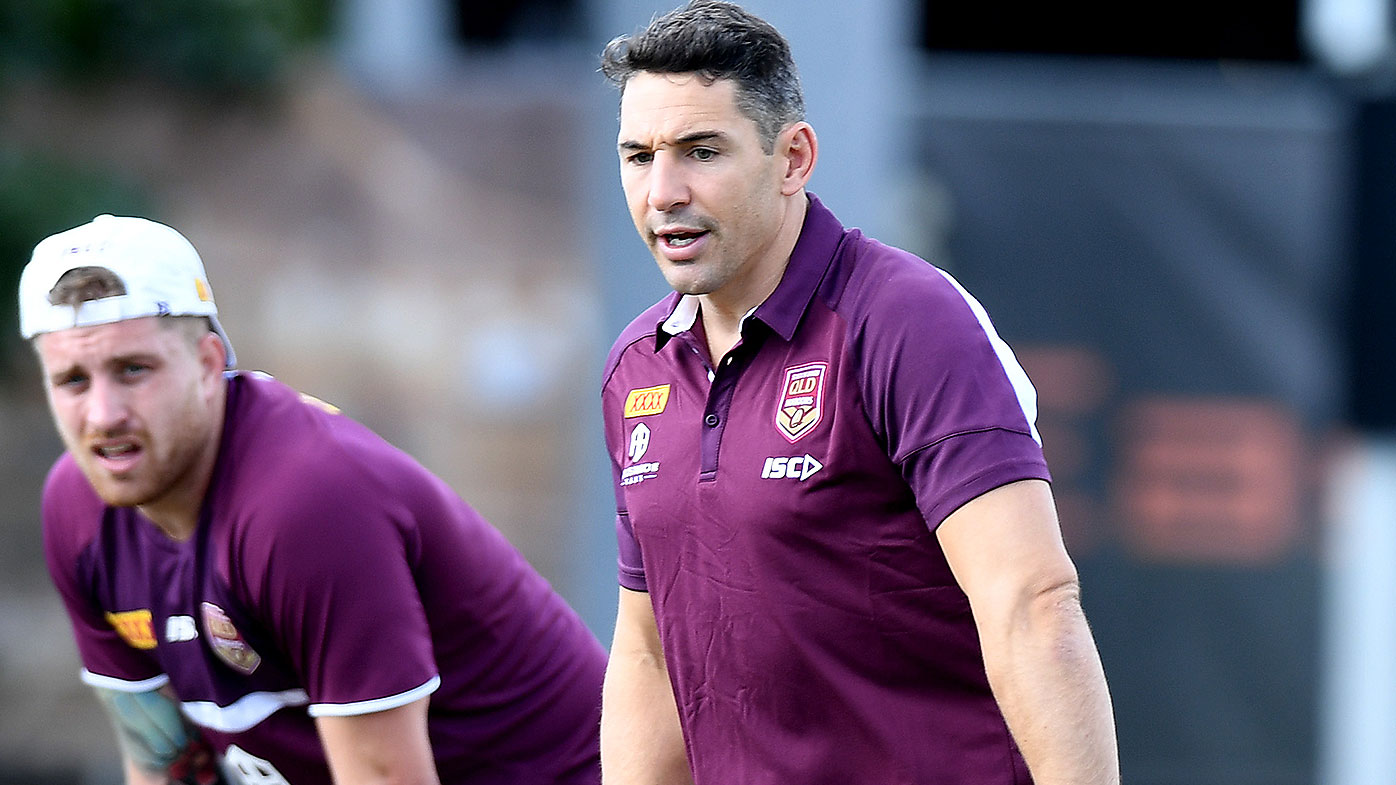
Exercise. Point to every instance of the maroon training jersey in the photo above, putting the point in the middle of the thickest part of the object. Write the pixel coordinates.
(780, 510)
(330, 574)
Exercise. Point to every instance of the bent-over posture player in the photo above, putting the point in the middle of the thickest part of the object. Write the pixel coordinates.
(257, 580)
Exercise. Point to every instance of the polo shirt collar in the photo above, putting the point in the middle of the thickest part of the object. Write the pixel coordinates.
(683, 316)
(781, 311)
(809, 262)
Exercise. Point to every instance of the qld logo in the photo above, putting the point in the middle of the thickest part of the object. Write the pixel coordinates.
(227, 642)
(801, 402)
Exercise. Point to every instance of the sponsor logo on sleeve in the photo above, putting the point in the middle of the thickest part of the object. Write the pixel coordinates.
(646, 401)
(639, 442)
(801, 403)
(180, 628)
(227, 642)
(639, 445)
(134, 627)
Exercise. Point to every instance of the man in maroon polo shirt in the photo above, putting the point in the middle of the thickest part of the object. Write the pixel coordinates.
(258, 582)
(839, 555)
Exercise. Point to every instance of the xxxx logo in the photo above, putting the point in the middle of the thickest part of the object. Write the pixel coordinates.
(801, 403)
(648, 400)
(135, 627)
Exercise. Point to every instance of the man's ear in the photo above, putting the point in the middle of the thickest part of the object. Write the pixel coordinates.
(213, 355)
(800, 149)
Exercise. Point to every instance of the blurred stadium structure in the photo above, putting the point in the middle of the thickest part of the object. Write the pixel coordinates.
(1178, 215)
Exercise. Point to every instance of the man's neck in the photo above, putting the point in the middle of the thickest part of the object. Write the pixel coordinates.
(722, 332)
(722, 312)
(177, 513)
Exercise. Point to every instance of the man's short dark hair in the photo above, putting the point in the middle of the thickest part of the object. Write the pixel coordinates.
(717, 40)
(82, 284)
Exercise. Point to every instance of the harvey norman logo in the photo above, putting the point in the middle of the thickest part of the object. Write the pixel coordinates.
(639, 445)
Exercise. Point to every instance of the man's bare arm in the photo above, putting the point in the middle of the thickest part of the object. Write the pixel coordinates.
(158, 746)
(1006, 551)
(641, 743)
(380, 748)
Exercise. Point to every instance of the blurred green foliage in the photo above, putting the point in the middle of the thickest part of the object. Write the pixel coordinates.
(40, 195)
(208, 44)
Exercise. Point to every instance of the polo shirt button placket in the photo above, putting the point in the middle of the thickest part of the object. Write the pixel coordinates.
(712, 420)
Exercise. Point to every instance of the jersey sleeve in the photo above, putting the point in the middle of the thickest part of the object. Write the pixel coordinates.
(630, 568)
(946, 394)
(329, 568)
(113, 647)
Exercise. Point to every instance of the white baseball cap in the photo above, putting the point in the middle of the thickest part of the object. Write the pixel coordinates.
(161, 270)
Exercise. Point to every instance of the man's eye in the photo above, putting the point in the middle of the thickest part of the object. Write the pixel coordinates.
(704, 153)
(639, 158)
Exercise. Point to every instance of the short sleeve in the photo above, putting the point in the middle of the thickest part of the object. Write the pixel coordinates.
(72, 519)
(630, 568)
(332, 576)
(946, 394)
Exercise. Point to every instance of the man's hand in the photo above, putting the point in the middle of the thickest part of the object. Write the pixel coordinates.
(197, 765)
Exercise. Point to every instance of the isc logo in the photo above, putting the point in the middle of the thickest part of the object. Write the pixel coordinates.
(798, 468)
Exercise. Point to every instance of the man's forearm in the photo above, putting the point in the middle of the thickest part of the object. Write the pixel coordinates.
(1047, 677)
(1006, 551)
(157, 745)
(641, 743)
(1051, 687)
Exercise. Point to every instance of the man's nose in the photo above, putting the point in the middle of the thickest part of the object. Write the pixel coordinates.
(668, 183)
(107, 405)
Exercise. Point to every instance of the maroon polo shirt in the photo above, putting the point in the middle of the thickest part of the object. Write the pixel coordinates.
(330, 575)
(780, 510)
